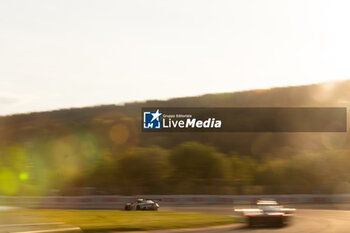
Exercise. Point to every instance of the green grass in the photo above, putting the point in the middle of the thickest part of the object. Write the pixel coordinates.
(116, 220)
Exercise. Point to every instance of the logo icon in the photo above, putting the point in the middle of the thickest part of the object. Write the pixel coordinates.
(151, 120)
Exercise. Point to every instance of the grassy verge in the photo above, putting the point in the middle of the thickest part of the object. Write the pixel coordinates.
(114, 220)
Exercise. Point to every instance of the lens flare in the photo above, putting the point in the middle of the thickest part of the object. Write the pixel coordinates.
(119, 133)
(23, 176)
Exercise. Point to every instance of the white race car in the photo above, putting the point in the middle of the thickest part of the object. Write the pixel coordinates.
(142, 204)
(267, 213)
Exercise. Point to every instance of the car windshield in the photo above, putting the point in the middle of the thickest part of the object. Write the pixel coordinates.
(270, 208)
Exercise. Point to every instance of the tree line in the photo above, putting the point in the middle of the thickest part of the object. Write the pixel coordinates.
(76, 162)
(194, 168)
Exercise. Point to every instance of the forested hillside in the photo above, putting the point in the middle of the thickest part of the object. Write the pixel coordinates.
(102, 147)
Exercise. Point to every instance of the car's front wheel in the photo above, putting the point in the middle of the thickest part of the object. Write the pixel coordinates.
(280, 223)
(250, 222)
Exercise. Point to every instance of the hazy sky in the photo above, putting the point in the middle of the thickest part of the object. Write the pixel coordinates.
(58, 54)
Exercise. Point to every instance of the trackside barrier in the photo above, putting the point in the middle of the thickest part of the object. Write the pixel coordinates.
(113, 202)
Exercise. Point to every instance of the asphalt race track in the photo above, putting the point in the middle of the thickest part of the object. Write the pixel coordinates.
(305, 221)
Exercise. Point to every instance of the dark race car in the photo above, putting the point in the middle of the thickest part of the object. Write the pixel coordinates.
(142, 204)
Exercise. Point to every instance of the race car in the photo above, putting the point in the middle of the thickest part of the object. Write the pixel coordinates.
(142, 204)
(267, 213)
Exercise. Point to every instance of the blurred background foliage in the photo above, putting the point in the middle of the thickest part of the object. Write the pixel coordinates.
(101, 150)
